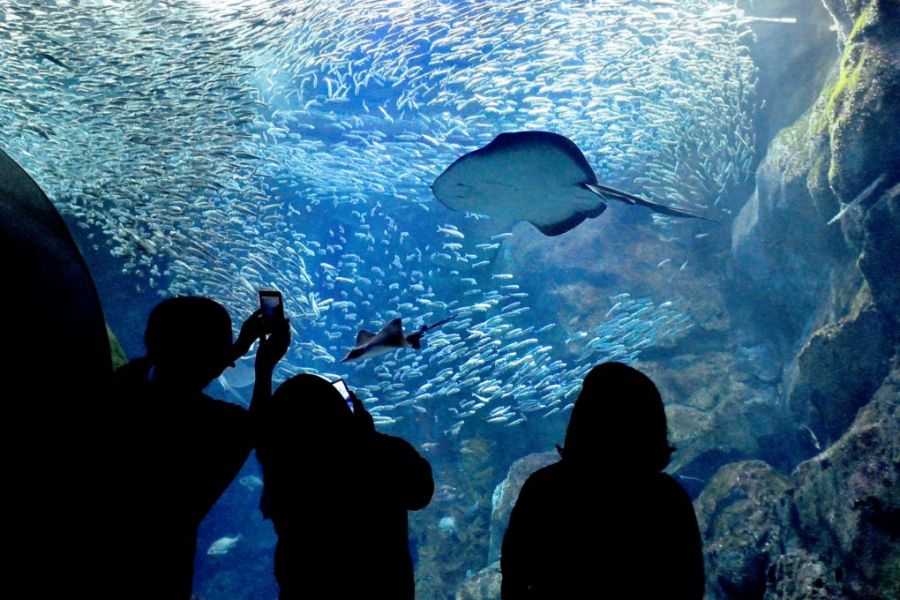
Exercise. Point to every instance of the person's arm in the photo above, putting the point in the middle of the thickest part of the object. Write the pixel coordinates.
(408, 473)
(271, 350)
(252, 330)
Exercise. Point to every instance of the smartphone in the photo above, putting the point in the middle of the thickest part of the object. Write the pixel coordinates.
(341, 387)
(271, 305)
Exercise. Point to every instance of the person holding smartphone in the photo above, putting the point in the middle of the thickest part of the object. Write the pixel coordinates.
(173, 450)
(337, 492)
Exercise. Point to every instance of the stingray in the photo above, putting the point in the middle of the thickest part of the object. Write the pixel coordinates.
(389, 338)
(533, 176)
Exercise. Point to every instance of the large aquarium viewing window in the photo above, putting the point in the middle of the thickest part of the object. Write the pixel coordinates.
(707, 191)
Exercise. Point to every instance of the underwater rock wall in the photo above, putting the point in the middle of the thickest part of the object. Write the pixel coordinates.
(848, 499)
(825, 288)
(830, 530)
(829, 283)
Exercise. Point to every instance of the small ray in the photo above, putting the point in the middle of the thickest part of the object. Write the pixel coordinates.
(389, 338)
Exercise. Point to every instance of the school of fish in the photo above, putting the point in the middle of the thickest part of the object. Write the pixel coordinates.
(221, 147)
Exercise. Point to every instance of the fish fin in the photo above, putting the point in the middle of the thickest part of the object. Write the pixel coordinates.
(560, 227)
(353, 354)
(415, 340)
(394, 327)
(858, 200)
(607, 192)
(363, 336)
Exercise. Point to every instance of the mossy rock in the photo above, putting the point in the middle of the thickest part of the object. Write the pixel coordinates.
(115, 349)
(846, 13)
(861, 107)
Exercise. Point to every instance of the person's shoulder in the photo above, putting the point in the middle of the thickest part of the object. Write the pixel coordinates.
(392, 442)
(669, 487)
(131, 373)
(548, 475)
(224, 410)
(229, 421)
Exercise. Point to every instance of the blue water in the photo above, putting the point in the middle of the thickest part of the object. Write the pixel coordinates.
(283, 177)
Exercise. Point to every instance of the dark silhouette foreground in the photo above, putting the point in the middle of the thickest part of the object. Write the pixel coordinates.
(55, 358)
(604, 521)
(175, 449)
(337, 492)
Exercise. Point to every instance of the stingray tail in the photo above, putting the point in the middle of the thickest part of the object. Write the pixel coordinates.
(608, 192)
(438, 324)
(415, 339)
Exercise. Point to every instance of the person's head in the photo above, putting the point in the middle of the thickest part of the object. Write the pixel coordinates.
(313, 404)
(618, 420)
(188, 340)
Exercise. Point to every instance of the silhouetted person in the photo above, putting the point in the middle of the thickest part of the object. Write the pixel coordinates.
(177, 449)
(337, 492)
(604, 521)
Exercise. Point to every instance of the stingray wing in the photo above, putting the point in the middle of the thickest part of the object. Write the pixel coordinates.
(354, 353)
(371, 344)
(363, 337)
(534, 176)
(391, 335)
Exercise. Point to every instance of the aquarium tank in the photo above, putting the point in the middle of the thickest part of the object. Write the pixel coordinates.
(220, 147)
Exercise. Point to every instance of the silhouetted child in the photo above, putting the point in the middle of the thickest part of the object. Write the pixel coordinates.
(605, 521)
(337, 492)
(174, 449)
